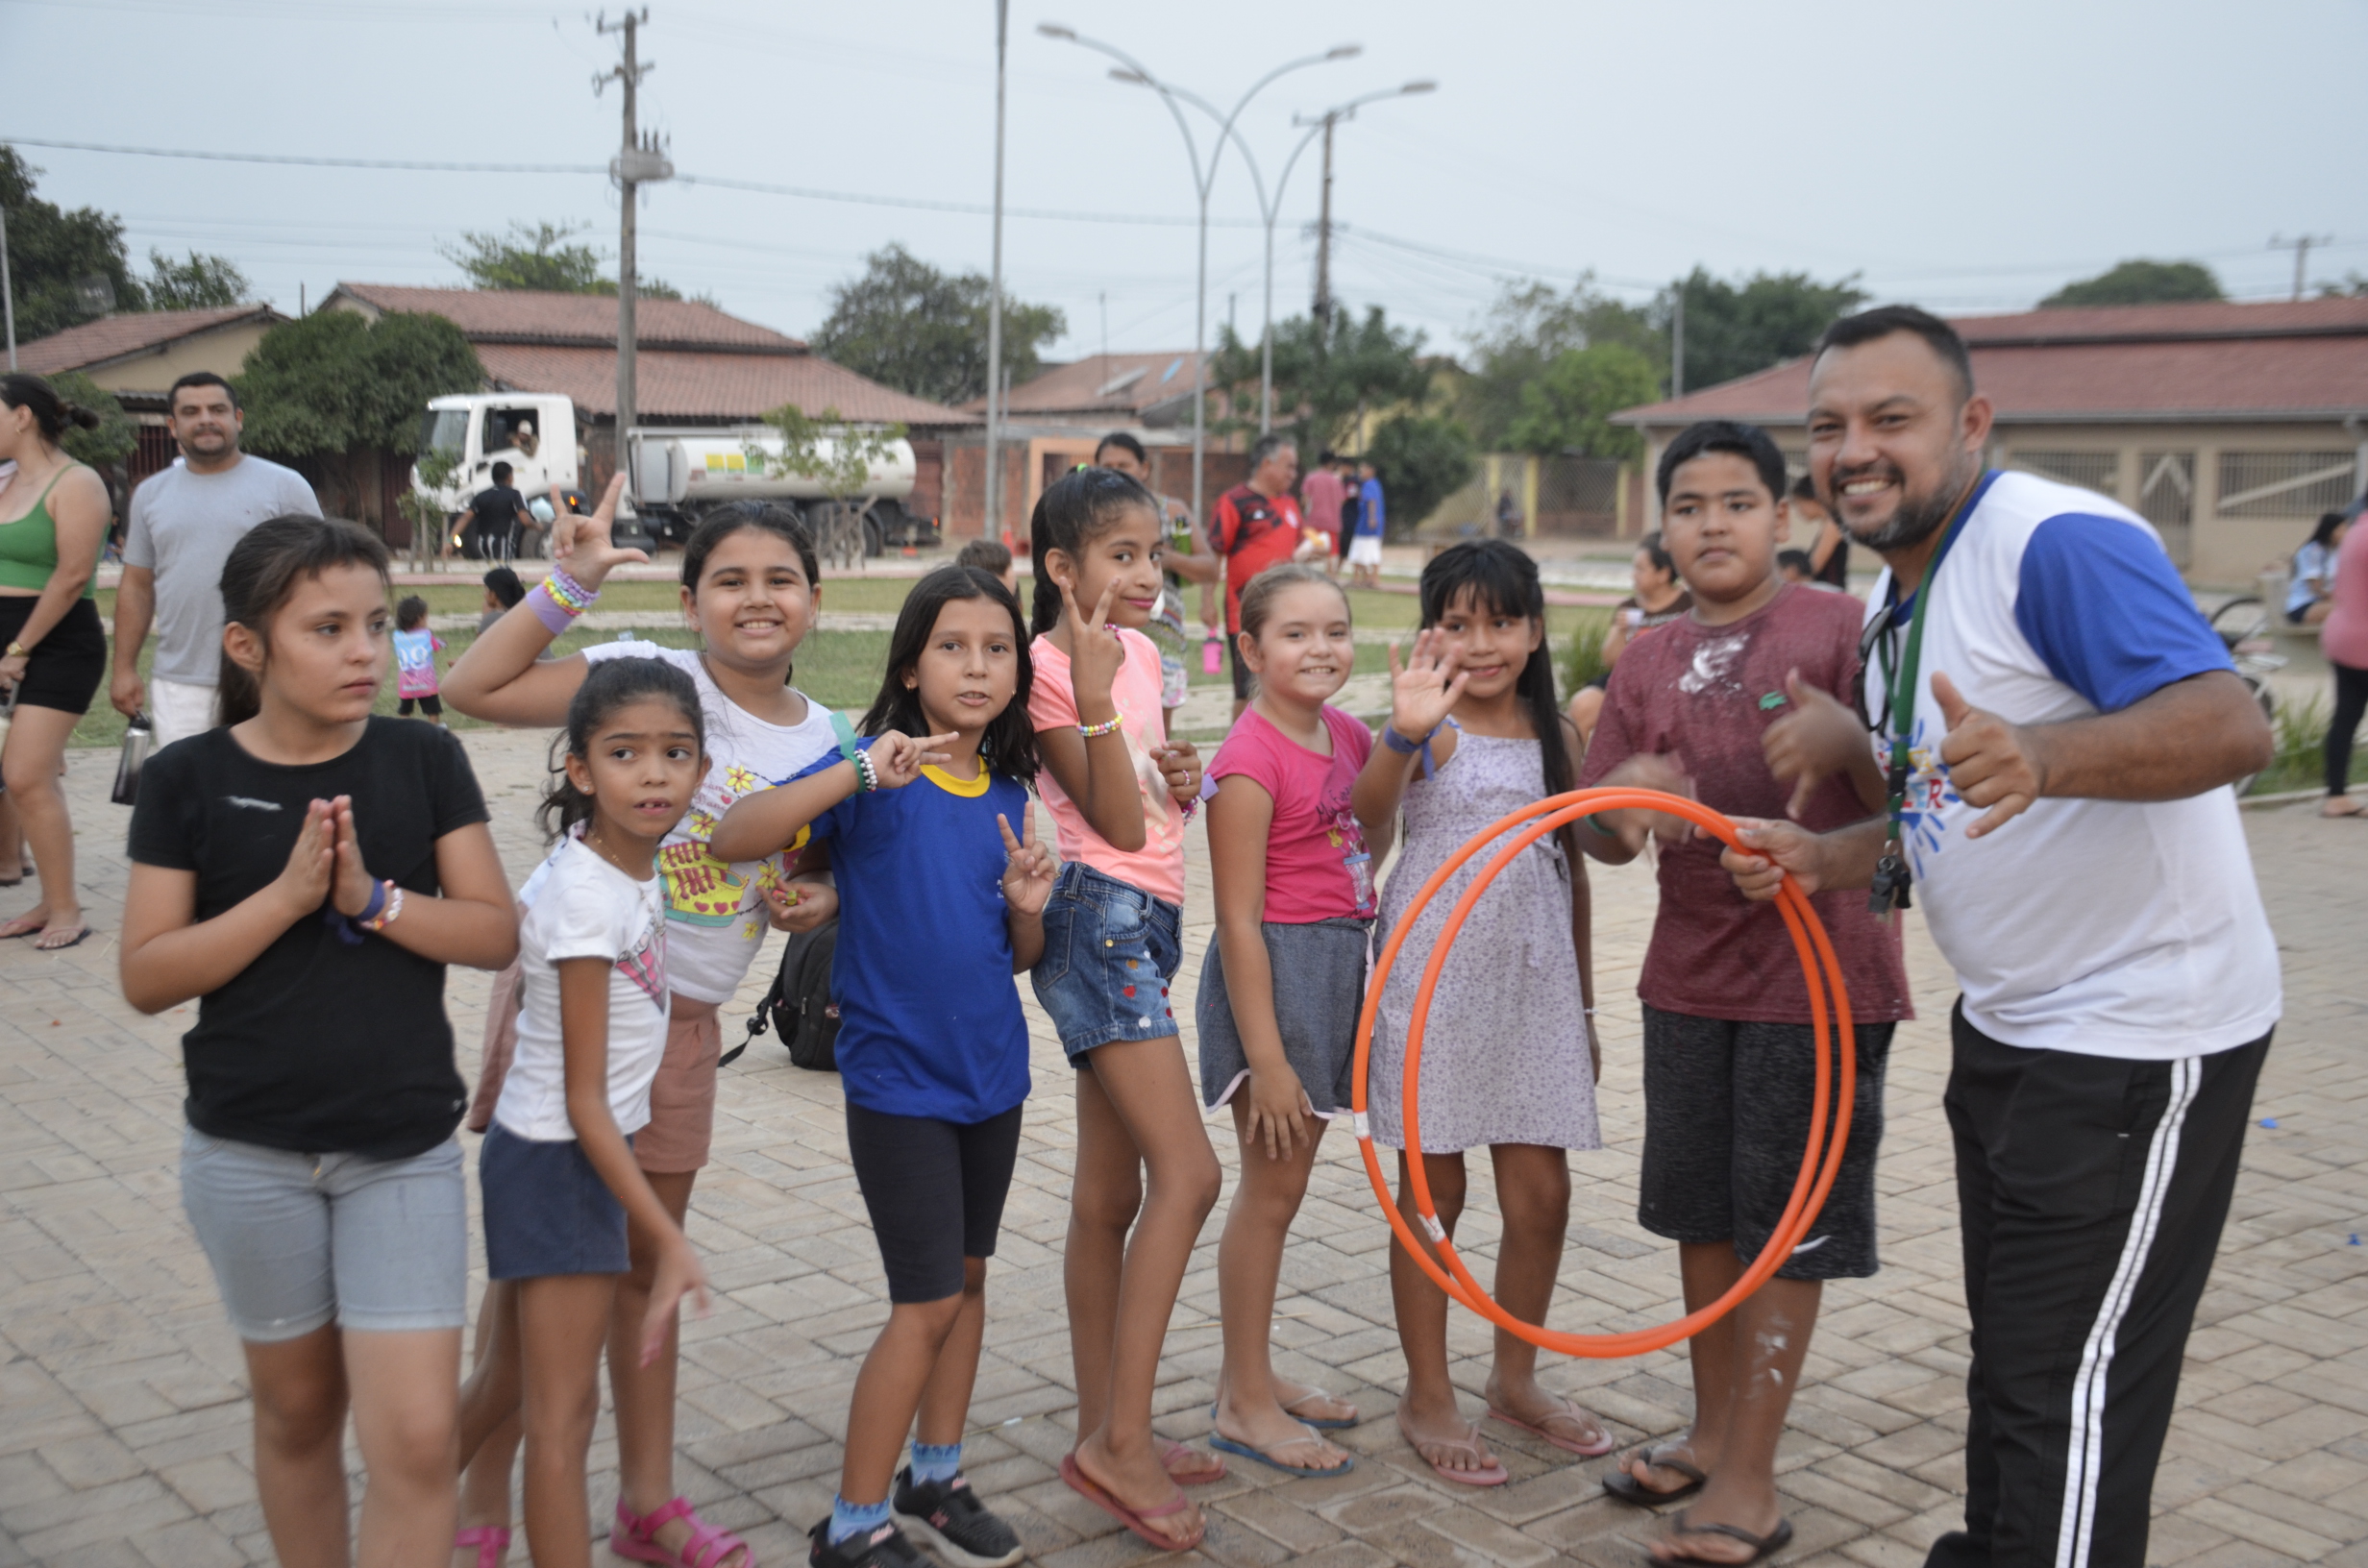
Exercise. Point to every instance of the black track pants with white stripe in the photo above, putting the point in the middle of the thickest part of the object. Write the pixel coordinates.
(2090, 1192)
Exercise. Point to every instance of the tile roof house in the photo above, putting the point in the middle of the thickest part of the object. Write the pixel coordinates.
(1153, 390)
(2230, 426)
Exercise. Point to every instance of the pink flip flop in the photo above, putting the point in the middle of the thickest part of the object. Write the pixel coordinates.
(1134, 1519)
(1169, 1449)
(708, 1546)
(1571, 1410)
(492, 1543)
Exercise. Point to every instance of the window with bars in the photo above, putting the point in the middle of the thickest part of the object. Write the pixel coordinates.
(2283, 483)
(2098, 471)
(2167, 499)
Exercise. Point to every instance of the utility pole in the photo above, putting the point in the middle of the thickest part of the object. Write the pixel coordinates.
(7, 291)
(2299, 245)
(999, 401)
(640, 163)
(1324, 242)
(1677, 344)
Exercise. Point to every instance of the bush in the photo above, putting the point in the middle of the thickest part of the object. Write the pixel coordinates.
(1424, 460)
(1583, 658)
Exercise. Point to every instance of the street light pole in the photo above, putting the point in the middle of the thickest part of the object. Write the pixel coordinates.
(1203, 180)
(994, 297)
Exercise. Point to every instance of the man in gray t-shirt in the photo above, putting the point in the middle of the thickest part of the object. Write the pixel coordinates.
(184, 522)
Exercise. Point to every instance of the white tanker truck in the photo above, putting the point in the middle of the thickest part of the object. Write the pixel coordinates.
(678, 473)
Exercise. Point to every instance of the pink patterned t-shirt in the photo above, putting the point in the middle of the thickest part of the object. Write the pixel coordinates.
(1317, 864)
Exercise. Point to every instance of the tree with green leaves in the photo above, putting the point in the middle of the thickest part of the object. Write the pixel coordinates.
(908, 325)
(1424, 459)
(538, 257)
(332, 393)
(1324, 383)
(1533, 324)
(66, 268)
(2139, 282)
(836, 455)
(201, 282)
(1736, 329)
(1568, 406)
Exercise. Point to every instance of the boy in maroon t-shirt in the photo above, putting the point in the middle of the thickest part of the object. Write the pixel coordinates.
(1725, 705)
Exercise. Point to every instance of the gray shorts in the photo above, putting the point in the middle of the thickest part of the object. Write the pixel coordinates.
(299, 1239)
(1726, 1121)
(1318, 985)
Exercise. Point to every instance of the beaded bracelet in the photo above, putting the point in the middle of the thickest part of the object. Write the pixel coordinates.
(386, 915)
(867, 773)
(1108, 726)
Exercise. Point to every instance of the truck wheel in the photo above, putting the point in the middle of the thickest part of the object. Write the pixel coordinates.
(872, 545)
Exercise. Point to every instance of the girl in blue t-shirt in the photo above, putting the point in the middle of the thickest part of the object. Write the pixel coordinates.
(941, 904)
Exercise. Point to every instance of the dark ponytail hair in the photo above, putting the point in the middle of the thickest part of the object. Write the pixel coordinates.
(746, 516)
(1653, 550)
(1009, 744)
(608, 686)
(1503, 580)
(261, 576)
(1075, 507)
(51, 413)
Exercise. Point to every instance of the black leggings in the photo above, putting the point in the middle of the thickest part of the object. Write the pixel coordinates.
(2350, 706)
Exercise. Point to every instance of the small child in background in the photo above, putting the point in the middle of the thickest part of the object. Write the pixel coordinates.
(932, 1046)
(557, 1167)
(990, 557)
(415, 651)
(1510, 1064)
(1284, 978)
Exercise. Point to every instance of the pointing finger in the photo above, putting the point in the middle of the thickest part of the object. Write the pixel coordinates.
(1027, 821)
(1011, 845)
(1101, 607)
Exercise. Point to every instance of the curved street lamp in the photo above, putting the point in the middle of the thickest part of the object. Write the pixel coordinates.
(1205, 177)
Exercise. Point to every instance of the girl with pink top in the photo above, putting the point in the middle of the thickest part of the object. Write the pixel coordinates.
(1295, 898)
(1119, 795)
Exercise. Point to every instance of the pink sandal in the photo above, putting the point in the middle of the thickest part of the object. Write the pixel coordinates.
(708, 1546)
(492, 1543)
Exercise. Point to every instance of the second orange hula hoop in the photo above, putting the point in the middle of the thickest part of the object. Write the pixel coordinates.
(1835, 1040)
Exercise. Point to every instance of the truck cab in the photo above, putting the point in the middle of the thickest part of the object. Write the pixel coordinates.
(534, 432)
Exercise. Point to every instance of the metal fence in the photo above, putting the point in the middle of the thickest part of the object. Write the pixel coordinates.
(2098, 471)
(2167, 499)
(2284, 483)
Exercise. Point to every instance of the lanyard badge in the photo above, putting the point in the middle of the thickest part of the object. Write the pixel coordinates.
(1890, 890)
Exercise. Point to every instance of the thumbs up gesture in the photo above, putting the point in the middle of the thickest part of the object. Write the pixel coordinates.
(1991, 762)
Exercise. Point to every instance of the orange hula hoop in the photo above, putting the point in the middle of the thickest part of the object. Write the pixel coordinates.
(1834, 1032)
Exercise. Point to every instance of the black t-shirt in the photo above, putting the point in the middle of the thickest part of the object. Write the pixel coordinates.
(319, 1046)
(501, 513)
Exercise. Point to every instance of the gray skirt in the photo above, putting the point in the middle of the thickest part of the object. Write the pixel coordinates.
(1318, 987)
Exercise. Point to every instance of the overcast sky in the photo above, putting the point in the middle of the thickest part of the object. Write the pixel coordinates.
(1966, 157)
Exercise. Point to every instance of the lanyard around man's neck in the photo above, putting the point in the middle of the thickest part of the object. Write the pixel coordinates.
(1893, 878)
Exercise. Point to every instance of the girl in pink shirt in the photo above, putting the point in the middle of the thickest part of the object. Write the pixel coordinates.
(1119, 794)
(1295, 903)
(2345, 643)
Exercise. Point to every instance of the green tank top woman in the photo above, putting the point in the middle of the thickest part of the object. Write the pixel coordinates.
(29, 545)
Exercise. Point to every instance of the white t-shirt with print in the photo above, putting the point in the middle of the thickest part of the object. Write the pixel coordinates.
(586, 908)
(2115, 928)
(717, 912)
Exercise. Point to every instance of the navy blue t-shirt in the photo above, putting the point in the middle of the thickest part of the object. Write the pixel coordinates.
(930, 1020)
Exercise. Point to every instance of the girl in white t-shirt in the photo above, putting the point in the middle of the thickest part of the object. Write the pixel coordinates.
(557, 1167)
(750, 588)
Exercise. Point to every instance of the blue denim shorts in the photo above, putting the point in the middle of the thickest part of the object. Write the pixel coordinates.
(299, 1241)
(546, 1210)
(1110, 950)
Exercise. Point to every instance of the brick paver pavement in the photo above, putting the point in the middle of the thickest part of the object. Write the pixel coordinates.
(124, 1428)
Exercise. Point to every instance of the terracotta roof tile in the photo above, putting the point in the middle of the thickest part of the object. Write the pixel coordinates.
(112, 338)
(526, 316)
(678, 386)
(1115, 384)
(2300, 360)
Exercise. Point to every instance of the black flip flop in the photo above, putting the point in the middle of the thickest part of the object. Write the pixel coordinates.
(1628, 1489)
(80, 936)
(1762, 1547)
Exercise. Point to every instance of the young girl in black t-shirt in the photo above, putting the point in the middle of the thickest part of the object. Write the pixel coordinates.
(307, 871)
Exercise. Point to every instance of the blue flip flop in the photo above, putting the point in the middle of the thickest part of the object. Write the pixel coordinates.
(1333, 1425)
(1229, 1446)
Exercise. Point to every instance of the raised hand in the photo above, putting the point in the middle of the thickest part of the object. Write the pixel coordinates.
(585, 545)
(897, 758)
(1991, 763)
(1815, 739)
(1425, 691)
(1096, 655)
(353, 883)
(1029, 866)
(678, 1275)
(311, 865)
(1179, 764)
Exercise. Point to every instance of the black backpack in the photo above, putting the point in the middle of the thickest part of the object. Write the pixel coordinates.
(798, 1004)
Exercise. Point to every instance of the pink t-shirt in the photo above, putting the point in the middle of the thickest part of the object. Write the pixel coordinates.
(2344, 637)
(1158, 866)
(1316, 868)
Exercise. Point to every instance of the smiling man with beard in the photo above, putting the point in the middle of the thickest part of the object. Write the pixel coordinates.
(2064, 730)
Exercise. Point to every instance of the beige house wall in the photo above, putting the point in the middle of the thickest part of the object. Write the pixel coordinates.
(223, 351)
(2219, 551)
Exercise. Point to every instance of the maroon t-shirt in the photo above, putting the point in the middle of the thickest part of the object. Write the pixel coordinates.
(1702, 695)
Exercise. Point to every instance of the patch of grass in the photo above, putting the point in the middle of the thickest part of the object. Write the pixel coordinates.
(2300, 761)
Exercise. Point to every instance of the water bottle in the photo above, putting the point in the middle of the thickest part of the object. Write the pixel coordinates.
(1212, 653)
(137, 736)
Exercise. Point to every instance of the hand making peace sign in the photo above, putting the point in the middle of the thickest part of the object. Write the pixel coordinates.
(584, 545)
(1030, 866)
